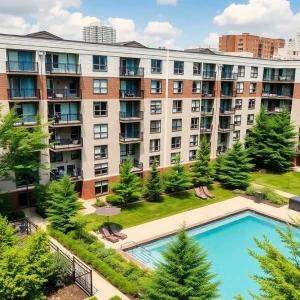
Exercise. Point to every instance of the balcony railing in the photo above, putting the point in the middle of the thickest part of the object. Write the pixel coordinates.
(137, 166)
(63, 94)
(66, 143)
(227, 110)
(131, 137)
(208, 94)
(131, 115)
(228, 94)
(229, 76)
(206, 128)
(27, 120)
(63, 68)
(61, 119)
(226, 127)
(207, 111)
(276, 110)
(286, 78)
(23, 94)
(132, 71)
(221, 150)
(22, 66)
(275, 94)
(131, 94)
(209, 75)
(75, 174)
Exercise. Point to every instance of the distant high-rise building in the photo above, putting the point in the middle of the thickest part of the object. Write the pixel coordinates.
(261, 47)
(98, 32)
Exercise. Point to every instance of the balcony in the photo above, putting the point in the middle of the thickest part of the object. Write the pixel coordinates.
(227, 111)
(66, 144)
(131, 72)
(207, 111)
(23, 94)
(131, 137)
(64, 120)
(276, 94)
(209, 75)
(131, 116)
(228, 94)
(206, 129)
(226, 127)
(137, 166)
(76, 175)
(229, 76)
(64, 94)
(63, 68)
(22, 67)
(277, 110)
(279, 78)
(28, 120)
(221, 150)
(131, 94)
(208, 94)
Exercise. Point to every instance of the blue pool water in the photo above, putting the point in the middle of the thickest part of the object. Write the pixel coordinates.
(227, 242)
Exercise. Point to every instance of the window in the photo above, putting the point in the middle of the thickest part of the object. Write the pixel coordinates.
(56, 157)
(177, 87)
(238, 104)
(177, 106)
(156, 66)
(250, 119)
(194, 123)
(155, 107)
(155, 86)
(100, 131)
(154, 126)
(99, 63)
(178, 67)
(173, 157)
(241, 71)
(126, 150)
(240, 87)
(75, 154)
(195, 105)
(237, 120)
(154, 145)
(252, 87)
(100, 109)
(175, 142)
(154, 157)
(101, 169)
(176, 125)
(193, 140)
(100, 152)
(251, 104)
(236, 135)
(192, 155)
(196, 68)
(101, 187)
(254, 72)
(196, 87)
(100, 86)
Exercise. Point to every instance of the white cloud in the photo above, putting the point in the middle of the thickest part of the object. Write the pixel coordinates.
(125, 28)
(13, 25)
(166, 2)
(212, 40)
(161, 28)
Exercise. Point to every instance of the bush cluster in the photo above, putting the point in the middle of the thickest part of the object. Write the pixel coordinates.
(115, 298)
(268, 193)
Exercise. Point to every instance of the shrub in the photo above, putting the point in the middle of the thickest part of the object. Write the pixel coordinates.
(238, 191)
(115, 298)
(114, 199)
(250, 191)
(61, 271)
(272, 196)
(94, 298)
(15, 215)
(99, 202)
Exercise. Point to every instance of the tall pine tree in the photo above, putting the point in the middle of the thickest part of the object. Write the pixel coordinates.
(234, 167)
(184, 274)
(153, 191)
(202, 171)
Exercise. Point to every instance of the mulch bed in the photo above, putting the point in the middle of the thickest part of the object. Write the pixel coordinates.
(70, 292)
(265, 201)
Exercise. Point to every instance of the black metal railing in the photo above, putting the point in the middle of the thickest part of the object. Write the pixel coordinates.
(131, 115)
(26, 120)
(63, 68)
(137, 135)
(227, 110)
(226, 127)
(75, 173)
(131, 94)
(66, 143)
(207, 111)
(59, 118)
(228, 93)
(137, 165)
(22, 66)
(229, 76)
(285, 78)
(208, 93)
(63, 93)
(206, 128)
(275, 93)
(23, 93)
(132, 71)
(209, 75)
(277, 109)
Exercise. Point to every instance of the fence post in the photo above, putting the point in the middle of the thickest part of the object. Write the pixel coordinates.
(73, 269)
(91, 281)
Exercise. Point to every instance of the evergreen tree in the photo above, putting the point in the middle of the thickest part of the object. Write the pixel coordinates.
(202, 172)
(177, 179)
(185, 274)
(153, 191)
(129, 187)
(63, 205)
(234, 167)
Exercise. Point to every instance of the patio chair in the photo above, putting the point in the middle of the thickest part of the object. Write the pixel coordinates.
(116, 233)
(108, 236)
(200, 194)
(207, 193)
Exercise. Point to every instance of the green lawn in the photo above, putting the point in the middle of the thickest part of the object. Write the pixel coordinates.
(144, 212)
(279, 182)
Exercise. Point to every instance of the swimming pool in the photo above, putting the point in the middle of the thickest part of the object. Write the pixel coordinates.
(227, 241)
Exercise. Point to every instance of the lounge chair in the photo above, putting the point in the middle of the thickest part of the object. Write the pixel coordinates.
(108, 236)
(200, 194)
(116, 233)
(207, 193)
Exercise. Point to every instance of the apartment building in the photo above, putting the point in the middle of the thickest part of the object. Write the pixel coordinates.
(98, 32)
(107, 102)
(261, 47)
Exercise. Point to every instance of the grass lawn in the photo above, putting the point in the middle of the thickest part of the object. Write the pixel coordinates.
(144, 212)
(280, 182)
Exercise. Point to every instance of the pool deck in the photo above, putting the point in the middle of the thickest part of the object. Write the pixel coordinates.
(161, 227)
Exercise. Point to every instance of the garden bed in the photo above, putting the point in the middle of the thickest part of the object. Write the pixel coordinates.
(70, 292)
(265, 201)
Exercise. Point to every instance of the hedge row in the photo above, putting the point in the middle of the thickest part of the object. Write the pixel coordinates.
(102, 267)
